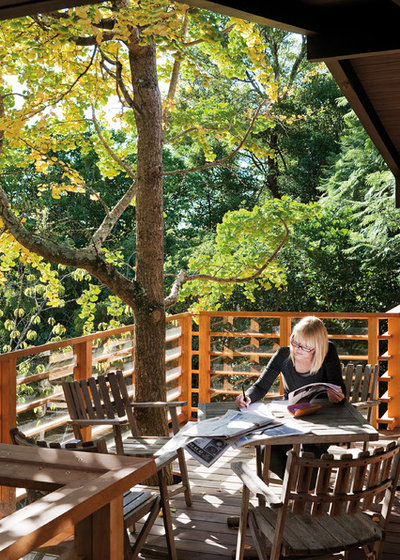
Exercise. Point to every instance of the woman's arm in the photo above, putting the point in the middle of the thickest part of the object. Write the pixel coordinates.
(264, 382)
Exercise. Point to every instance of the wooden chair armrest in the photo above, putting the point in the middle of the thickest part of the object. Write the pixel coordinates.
(98, 421)
(159, 404)
(366, 404)
(255, 484)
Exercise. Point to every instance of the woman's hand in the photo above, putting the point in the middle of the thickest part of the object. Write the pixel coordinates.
(335, 397)
(241, 402)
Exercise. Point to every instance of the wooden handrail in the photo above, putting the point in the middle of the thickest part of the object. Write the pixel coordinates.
(180, 357)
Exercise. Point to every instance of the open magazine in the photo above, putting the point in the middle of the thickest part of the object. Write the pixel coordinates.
(207, 450)
(311, 392)
(232, 424)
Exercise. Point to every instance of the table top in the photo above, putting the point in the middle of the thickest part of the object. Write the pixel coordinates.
(331, 424)
(84, 483)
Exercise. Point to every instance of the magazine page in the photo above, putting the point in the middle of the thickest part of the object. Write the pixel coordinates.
(310, 392)
(232, 423)
(207, 450)
(276, 430)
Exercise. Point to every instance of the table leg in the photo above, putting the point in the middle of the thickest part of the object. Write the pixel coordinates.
(100, 536)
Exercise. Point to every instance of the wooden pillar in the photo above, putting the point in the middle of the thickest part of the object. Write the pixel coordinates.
(285, 330)
(8, 420)
(204, 358)
(373, 358)
(185, 362)
(83, 370)
(394, 369)
(101, 535)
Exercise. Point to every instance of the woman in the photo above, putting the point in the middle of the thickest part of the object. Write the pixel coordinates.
(310, 358)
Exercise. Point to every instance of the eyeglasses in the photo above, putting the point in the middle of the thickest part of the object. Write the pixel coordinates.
(301, 347)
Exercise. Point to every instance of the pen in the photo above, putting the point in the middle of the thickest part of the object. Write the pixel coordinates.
(244, 394)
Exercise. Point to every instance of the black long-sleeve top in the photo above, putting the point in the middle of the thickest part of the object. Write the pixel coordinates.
(281, 362)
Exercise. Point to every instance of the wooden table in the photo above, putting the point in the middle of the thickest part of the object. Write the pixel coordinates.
(332, 424)
(86, 497)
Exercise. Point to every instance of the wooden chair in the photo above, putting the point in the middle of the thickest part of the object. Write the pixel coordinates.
(136, 504)
(349, 508)
(105, 401)
(361, 387)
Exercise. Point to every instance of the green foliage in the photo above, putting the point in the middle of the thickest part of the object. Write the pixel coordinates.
(244, 244)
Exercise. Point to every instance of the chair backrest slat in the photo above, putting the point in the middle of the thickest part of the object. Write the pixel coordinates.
(359, 475)
(347, 374)
(322, 488)
(97, 403)
(116, 393)
(342, 486)
(358, 378)
(302, 485)
(364, 390)
(119, 376)
(104, 391)
(87, 399)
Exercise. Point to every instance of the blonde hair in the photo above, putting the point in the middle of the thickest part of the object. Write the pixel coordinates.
(311, 332)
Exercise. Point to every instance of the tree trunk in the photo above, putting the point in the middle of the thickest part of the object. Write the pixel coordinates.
(149, 313)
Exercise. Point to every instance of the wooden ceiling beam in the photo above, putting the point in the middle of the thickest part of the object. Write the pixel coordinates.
(341, 46)
(289, 15)
(347, 80)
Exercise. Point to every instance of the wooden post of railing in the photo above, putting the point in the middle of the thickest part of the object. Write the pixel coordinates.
(373, 355)
(204, 358)
(83, 370)
(394, 369)
(8, 420)
(185, 362)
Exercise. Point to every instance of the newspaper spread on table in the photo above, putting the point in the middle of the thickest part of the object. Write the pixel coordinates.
(208, 440)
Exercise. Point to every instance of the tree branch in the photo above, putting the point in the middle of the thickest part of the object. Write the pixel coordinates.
(183, 277)
(128, 290)
(110, 151)
(211, 164)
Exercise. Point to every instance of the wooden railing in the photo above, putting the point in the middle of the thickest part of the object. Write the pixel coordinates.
(233, 347)
(30, 379)
(208, 357)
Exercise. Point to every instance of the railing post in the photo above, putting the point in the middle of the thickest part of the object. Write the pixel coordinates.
(204, 358)
(185, 362)
(8, 420)
(83, 370)
(285, 330)
(373, 357)
(394, 369)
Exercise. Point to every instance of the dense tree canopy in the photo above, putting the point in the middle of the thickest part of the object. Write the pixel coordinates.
(247, 158)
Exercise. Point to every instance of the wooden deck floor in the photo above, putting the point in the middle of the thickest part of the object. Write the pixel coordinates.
(202, 532)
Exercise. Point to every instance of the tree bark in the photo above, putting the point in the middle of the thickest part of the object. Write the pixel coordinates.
(150, 315)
